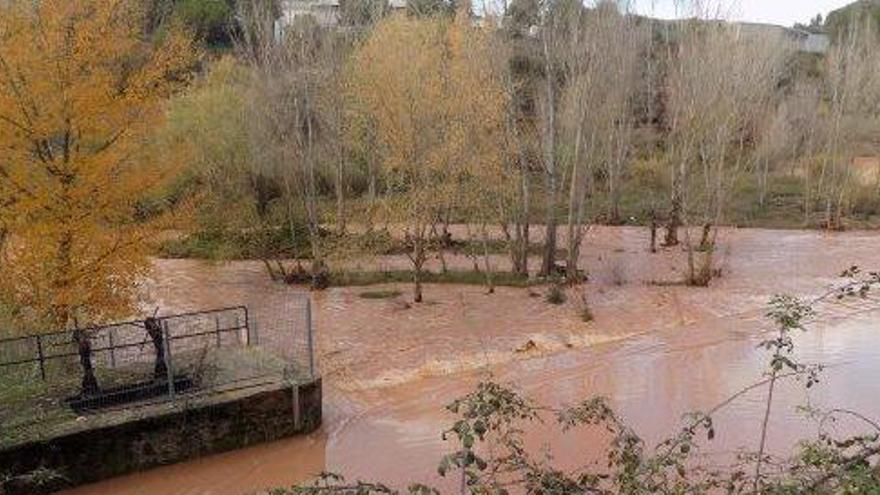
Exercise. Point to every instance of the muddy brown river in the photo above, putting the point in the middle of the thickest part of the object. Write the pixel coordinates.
(656, 350)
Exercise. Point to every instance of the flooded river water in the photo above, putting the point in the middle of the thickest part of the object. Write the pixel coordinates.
(657, 351)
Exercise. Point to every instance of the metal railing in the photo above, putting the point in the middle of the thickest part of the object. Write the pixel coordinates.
(41, 356)
(113, 372)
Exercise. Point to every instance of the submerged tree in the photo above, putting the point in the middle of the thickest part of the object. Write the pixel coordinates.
(721, 84)
(437, 118)
(295, 120)
(603, 51)
(397, 78)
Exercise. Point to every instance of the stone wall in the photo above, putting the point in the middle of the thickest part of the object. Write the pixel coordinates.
(102, 453)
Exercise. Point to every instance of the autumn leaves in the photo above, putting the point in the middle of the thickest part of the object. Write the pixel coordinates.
(428, 92)
(80, 89)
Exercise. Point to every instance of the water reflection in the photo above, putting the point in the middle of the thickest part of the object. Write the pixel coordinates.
(251, 470)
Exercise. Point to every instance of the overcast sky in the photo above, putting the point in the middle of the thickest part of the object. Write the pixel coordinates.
(782, 12)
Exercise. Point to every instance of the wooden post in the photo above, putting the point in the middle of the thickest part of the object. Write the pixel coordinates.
(217, 326)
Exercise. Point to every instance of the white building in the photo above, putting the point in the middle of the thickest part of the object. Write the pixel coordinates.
(803, 41)
(324, 12)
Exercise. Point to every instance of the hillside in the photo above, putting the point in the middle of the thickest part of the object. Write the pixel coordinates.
(838, 19)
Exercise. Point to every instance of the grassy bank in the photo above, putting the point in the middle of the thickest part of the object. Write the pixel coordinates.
(782, 208)
(280, 244)
(232, 245)
(366, 278)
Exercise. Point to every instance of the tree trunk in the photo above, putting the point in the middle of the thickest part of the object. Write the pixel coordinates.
(705, 244)
(490, 282)
(615, 207)
(64, 315)
(523, 237)
(672, 225)
(691, 264)
(418, 260)
(840, 209)
(653, 231)
(548, 266)
(90, 386)
(520, 244)
(319, 272)
(763, 172)
(829, 217)
(371, 188)
(525, 241)
(808, 195)
(441, 240)
(575, 212)
(471, 251)
(273, 276)
(417, 281)
(513, 245)
(417, 289)
(549, 262)
(154, 330)
(340, 196)
(674, 221)
(614, 167)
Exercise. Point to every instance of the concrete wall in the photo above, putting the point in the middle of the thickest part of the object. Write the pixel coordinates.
(102, 453)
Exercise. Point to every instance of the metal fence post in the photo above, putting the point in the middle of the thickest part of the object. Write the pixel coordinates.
(112, 347)
(40, 355)
(309, 341)
(247, 317)
(169, 369)
(242, 331)
(217, 326)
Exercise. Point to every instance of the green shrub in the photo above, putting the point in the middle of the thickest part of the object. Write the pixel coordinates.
(210, 19)
(555, 295)
(364, 278)
(380, 294)
(265, 243)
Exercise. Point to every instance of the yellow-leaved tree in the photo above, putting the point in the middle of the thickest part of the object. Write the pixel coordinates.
(81, 87)
(424, 97)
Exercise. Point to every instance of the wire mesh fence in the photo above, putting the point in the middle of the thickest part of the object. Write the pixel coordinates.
(57, 382)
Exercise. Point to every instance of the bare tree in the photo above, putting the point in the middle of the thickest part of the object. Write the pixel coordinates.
(853, 88)
(523, 57)
(297, 116)
(803, 108)
(722, 82)
(549, 102)
(605, 48)
(438, 110)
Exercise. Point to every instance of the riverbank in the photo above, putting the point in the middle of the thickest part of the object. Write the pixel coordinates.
(656, 351)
